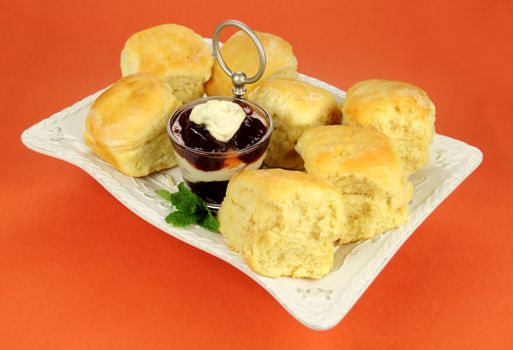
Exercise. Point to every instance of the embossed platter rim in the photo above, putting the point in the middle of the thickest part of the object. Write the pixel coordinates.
(319, 304)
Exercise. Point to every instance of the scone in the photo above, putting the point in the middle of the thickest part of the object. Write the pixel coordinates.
(282, 222)
(400, 110)
(364, 166)
(172, 52)
(126, 125)
(295, 106)
(240, 54)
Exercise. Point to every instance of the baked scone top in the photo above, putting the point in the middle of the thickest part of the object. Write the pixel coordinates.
(132, 111)
(400, 110)
(366, 97)
(167, 49)
(338, 150)
(276, 184)
(240, 54)
(297, 101)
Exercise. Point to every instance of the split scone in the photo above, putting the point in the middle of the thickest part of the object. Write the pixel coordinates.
(295, 106)
(240, 54)
(126, 125)
(400, 110)
(171, 52)
(366, 169)
(284, 223)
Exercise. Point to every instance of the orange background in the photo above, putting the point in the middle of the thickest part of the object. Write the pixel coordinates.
(79, 271)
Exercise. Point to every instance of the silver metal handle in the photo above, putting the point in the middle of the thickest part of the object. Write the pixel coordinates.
(239, 79)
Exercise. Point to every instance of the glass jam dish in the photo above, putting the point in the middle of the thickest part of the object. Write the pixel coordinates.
(206, 163)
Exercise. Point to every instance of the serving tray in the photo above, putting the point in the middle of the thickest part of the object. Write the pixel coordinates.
(318, 304)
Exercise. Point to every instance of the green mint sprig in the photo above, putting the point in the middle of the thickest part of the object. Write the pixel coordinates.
(190, 209)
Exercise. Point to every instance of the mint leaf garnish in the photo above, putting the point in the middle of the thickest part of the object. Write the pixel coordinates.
(189, 209)
(209, 222)
(164, 194)
(180, 219)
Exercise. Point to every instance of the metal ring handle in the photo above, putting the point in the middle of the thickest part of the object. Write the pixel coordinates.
(239, 78)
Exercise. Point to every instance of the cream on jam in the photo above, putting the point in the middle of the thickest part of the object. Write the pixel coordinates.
(221, 118)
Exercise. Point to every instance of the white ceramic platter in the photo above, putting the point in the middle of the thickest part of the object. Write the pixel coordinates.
(318, 304)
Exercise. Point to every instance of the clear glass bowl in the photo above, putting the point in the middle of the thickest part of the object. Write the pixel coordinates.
(207, 173)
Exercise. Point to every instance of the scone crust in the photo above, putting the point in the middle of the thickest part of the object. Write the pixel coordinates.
(129, 117)
(297, 101)
(295, 106)
(365, 168)
(400, 110)
(282, 222)
(172, 52)
(240, 54)
(329, 151)
(276, 184)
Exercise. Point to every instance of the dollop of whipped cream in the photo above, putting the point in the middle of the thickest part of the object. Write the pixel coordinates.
(221, 118)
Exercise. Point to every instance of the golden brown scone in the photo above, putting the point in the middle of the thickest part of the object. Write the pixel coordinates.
(400, 110)
(295, 106)
(282, 222)
(126, 125)
(364, 166)
(172, 52)
(240, 54)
